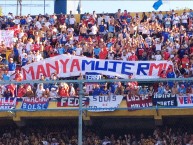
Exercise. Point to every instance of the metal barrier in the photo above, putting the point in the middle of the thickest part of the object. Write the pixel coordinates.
(81, 95)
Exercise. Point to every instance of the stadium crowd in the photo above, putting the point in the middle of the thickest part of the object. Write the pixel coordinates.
(62, 136)
(153, 36)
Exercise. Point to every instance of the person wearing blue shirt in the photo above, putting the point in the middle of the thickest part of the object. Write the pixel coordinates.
(113, 87)
(3, 61)
(165, 34)
(102, 28)
(171, 74)
(160, 90)
(182, 89)
(11, 65)
(97, 50)
(96, 91)
(70, 50)
(23, 21)
(105, 91)
(61, 50)
(51, 20)
(143, 91)
(24, 61)
(6, 76)
(16, 54)
(109, 44)
(111, 29)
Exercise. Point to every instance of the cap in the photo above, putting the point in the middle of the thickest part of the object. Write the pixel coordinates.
(53, 89)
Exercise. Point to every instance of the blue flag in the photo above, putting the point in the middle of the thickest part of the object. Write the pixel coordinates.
(157, 4)
(78, 8)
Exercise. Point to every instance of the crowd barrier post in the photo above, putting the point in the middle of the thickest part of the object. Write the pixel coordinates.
(80, 113)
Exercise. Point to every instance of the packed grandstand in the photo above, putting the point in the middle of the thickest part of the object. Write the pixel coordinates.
(155, 45)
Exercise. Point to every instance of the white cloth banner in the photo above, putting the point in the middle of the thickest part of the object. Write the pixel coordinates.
(185, 100)
(7, 37)
(67, 66)
(104, 103)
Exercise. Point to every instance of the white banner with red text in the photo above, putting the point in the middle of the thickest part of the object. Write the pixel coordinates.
(185, 100)
(67, 66)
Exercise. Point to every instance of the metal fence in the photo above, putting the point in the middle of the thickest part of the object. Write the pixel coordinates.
(80, 85)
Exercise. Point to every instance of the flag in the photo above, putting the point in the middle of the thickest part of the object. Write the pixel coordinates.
(78, 8)
(157, 4)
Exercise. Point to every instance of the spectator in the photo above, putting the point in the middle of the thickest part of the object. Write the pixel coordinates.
(21, 91)
(29, 92)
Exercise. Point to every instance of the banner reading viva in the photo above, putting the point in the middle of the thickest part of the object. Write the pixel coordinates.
(185, 100)
(35, 103)
(67, 66)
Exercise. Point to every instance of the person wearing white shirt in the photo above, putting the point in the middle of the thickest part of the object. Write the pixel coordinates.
(38, 25)
(168, 22)
(72, 21)
(124, 56)
(160, 16)
(38, 56)
(158, 46)
(94, 30)
(29, 19)
(30, 56)
(28, 46)
(53, 93)
(40, 90)
(176, 20)
(110, 55)
(78, 50)
(158, 56)
(184, 19)
(100, 18)
(16, 21)
(47, 24)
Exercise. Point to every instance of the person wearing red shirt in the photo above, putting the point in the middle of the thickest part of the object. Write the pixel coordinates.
(18, 76)
(166, 55)
(91, 20)
(64, 91)
(103, 54)
(177, 59)
(191, 50)
(62, 19)
(21, 91)
(185, 60)
(133, 57)
(163, 74)
(48, 47)
(36, 47)
(12, 88)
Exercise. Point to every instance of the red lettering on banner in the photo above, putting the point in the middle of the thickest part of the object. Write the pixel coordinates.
(181, 100)
(189, 100)
(165, 65)
(75, 63)
(30, 71)
(55, 67)
(40, 71)
(155, 66)
(64, 63)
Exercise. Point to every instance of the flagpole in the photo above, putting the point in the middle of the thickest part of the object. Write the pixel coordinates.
(80, 5)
